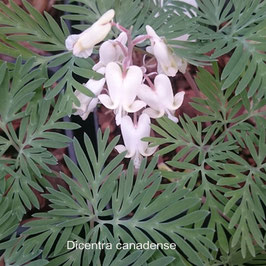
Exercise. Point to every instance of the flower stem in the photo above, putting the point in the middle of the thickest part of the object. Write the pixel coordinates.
(192, 83)
(122, 47)
(149, 81)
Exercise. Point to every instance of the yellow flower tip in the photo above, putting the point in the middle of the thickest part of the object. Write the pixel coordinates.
(164, 167)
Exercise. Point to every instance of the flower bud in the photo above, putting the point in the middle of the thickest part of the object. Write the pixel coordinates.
(82, 44)
(168, 62)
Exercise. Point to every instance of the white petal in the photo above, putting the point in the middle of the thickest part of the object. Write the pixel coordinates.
(181, 64)
(83, 99)
(182, 37)
(154, 113)
(149, 49)
(164, 89)
(171, 71)
(120, 148)
(135, 106)
(96, 86)
(93, 103)
(128, 133)
(150, 97)
(178, 99)
(150, 31)
(82, 44)
(122, 38)
(161, 52)
(98, 31)
(70, 41)
(84, 116)
(107, 53)
(106, 17)
(118, 115)
(143, 130)
(93, 35)
(114, 82)
(171, 116)
(148, 151)
(159, 69)
(107, 101)
(137, 160)
(191, 2)
(98, 66)
(131, 84)
(80, 51)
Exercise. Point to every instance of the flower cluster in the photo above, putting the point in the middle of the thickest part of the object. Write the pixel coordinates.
(127, 88)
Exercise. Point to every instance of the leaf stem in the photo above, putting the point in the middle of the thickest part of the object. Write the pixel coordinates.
(13, 143)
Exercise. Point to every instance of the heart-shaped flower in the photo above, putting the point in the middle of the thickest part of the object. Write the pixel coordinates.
(112, 51)
(160, 98)
(132, 135)
(122, 88)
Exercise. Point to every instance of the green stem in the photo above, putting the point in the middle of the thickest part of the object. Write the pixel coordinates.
(192, 83)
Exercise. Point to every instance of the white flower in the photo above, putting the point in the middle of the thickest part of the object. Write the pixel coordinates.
(161, 99)
(82, 44)
(161, 3)
(191, 2)
(168, 62)
(122, 88)
(87, 104)
(132, 135)
(112, 51)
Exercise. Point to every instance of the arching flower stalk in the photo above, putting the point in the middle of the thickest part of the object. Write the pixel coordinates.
(125, 88)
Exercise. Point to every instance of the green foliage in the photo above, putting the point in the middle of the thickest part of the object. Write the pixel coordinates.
(43, 33)
(84, 214)
(212, 203)
(36, 28)
(209, 161)
(16, 254)
(137, 14)
(65, 75)
(8, 221)
(21, 98)
(238, 27)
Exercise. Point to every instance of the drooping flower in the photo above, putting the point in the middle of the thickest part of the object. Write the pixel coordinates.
(112, 51)
(82, 44)
(87, 104)
(132, 135)
(122, 90)
(160, 98)
(168, 62)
